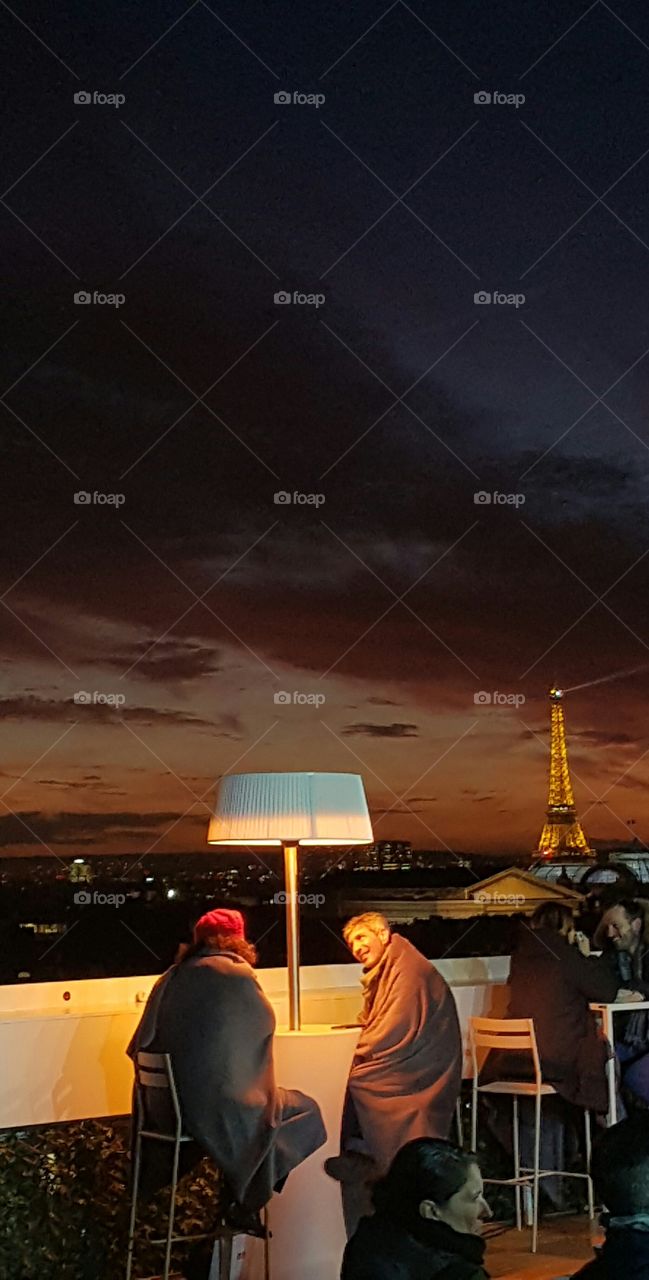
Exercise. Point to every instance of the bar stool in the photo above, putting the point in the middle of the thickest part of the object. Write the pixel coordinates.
(154, 1071)
(518, 1035)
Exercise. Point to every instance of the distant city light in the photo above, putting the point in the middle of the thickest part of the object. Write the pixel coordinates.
(149, 879)
(81, 860)
(171, 893)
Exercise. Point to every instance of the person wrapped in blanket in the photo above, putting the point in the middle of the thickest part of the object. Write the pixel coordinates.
(210, 1014)
(406, 1072)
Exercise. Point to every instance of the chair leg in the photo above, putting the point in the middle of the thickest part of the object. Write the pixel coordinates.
(172, 1212)
(537, 1158)
(458, 1122)
(591, 1199)
(474, 1117)
(517, 1163)
(225, 1256)
(266, 1246)
(137, 1160)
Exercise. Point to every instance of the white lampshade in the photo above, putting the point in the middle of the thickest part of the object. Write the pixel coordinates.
(290, 808)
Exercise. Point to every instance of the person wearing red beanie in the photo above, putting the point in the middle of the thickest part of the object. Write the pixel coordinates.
(210, 1014)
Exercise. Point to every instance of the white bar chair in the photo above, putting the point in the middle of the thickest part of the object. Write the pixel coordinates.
(518, 1035)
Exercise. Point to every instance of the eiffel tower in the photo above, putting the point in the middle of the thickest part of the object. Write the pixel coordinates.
(562, 832)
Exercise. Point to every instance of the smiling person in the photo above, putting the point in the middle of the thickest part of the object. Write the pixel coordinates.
(428, 1218)
(406, 1073)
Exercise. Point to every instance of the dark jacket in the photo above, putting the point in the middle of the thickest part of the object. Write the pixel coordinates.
(631, 974)
(551, 982)
(623, 1256)
(383, 1250)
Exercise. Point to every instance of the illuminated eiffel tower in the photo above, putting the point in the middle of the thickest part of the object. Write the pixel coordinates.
(562, 832)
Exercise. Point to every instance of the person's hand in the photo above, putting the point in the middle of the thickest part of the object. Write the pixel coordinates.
(628, 997)
(582, 943)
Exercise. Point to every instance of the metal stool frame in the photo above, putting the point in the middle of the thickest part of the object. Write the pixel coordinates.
(155, 1071)
(518, 1034)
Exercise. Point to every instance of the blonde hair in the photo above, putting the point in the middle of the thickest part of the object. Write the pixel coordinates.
(371, 919)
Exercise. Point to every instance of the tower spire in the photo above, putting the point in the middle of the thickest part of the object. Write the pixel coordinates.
(562, 831)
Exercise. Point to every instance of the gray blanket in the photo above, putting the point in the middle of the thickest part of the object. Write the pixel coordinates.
(210, 1014)
(407, 1069)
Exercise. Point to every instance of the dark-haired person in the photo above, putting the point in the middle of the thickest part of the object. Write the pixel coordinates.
(620, 1169)
(624, 932)
(553, 982)
(406, 1072)
(428, 1217)
(210, 1014)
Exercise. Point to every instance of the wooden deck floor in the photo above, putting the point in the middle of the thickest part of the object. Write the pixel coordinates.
(564, 1246)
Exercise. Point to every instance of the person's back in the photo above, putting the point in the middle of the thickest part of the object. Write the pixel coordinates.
(620, 1169)
(209, 1014)
(553, 983)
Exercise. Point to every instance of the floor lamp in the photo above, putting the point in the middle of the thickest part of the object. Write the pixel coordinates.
(291, 811)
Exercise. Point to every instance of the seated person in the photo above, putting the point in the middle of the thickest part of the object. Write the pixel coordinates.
(620, 1169)
(210, 1014)
(429, 1211)
(406, 1072)
(551, 981)
(624, 934)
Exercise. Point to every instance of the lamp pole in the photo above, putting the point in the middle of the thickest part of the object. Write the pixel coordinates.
(292, 935)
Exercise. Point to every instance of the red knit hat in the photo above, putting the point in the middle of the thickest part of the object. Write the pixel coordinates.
(222, 920)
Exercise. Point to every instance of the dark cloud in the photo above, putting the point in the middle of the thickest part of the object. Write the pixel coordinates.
(382, 730)
(33, 827)
(163, 661)
(50, 709)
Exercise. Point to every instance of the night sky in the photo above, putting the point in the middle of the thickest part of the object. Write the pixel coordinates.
(391, 394)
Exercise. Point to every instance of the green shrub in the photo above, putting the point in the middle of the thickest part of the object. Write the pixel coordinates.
(65, 1198)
